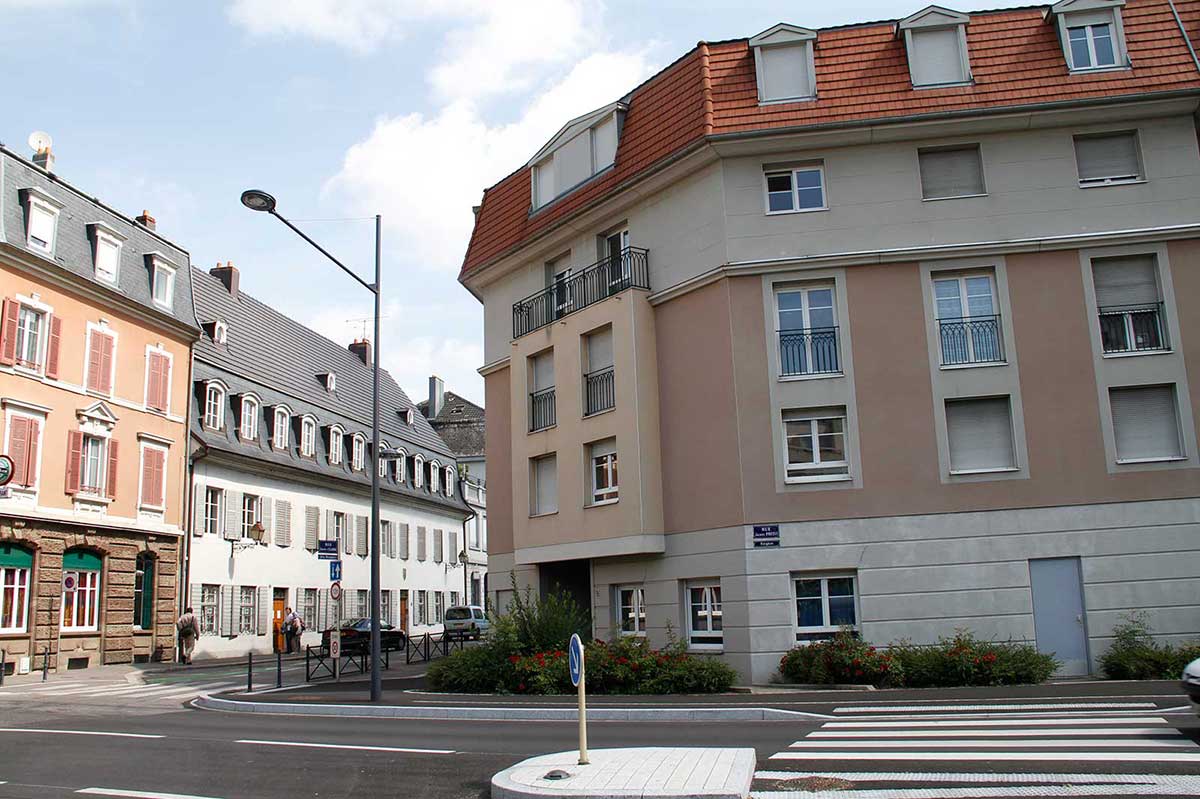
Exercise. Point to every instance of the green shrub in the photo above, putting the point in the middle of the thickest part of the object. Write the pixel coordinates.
(1134, 654)
(842, 659)
(545, 623)
(474, 670)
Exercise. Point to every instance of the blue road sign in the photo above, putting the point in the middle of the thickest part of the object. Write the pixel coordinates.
(575, 659)
(327, 550)
(335, 570)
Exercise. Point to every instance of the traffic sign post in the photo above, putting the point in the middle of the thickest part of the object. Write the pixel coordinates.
(335, 652)
(579, 680)
(335, 571)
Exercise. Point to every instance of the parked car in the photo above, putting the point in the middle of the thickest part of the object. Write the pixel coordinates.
(470, 620)
(1191, 684)
(356, 633)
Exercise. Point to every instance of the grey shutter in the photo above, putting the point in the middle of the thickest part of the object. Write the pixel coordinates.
(936, 57)
(194, 593)
(283, 523)
(421, 543)
(198, 510)
(265, 512)
(980, 434)
(785, 71)
(225, 611)
(323, 609)
(391, 614)
(452, 546)
(956, 172)
(1113, 156)
(600, 350)
(1125, 281)
(233, 515)
(312, 527)
(403, 542)
(437, 546)
(545, 480)
(264, 610)
(1145, 422)
(361, 525)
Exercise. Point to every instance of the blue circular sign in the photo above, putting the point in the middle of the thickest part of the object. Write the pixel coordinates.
(575, 659)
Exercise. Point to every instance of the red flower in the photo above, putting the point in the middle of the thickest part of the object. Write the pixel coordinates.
(634, 666)
(521, 686)
(514, 658)
(622, 660)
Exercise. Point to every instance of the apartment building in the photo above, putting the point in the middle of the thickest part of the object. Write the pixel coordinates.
(890, 326)
(94, 357)
(281, 461)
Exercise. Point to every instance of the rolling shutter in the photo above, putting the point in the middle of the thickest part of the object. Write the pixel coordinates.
(361, 536)
(233, 515)
(600, 350)
(283, 523)
(980, 434)
(1125, 281)
(226, 610)
(785, 72)
(1113, 156)
(403, 532)
(1145, 422)
(546, 484)
(956, 172)
(936, 57)
(52, 347)
(312, 528)
(264, 610)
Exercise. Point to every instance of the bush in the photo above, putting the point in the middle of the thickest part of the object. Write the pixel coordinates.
(1134, 654)
(545, 623)
(843, 659)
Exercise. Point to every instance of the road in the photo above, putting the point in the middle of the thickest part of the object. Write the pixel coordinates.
(1130, 741)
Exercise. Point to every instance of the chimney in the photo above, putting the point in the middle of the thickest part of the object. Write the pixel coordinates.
(362, 348)
(436, 396)
(145, 220)
(475, 210)
(44, 158)
(227, 274)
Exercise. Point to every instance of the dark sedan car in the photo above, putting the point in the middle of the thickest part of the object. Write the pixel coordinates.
(356, 633)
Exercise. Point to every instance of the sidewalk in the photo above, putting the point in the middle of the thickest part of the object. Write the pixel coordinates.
(260, 662)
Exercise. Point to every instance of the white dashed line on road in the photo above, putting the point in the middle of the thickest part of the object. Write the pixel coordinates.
(403, 749)
(999, 707)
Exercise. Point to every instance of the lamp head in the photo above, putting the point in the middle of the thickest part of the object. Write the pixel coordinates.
(258, 200)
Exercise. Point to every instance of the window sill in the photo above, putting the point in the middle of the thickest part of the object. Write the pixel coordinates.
(152, 508)
(1164, 459)
(1100, 184)
(542, 515)
(602, 503)
(600, 412)
(954, 84)
(998, 470)
(68, 632)
(94, 499)
(952, 197)
(13, 633)
(706, 649)
(543, 429)
(953, 367)
(817, 376)
(810, 98)
(1094, 70)
(1138, 353)
(798, 211)
(822, 478)
(29, 371)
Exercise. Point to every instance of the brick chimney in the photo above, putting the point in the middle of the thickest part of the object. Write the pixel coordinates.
(145, 220)
(44, 158)
(362, 348)
(437, 396)
(227, 274)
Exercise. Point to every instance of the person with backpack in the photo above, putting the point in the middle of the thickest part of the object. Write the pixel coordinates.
(189, 631)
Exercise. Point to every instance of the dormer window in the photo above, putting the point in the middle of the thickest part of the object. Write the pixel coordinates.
(308, 436)
(401, 461)
(381, 463)
(449, 481)
(584, 147)
(407, 415)
(434, 469)
(358, 454)
(106, 251)
(329, 379)
(220, 333)
(783, 63)
(936, 41)
(214, 406)
(418, 470)
(163, 288)
(248, 428)
(1092, 34)
(335, 445)
(41, 219)
(279, 430)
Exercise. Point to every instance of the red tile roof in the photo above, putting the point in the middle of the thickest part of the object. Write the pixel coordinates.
(862, 74)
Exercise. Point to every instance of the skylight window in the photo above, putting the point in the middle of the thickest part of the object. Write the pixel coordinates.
(783, 64)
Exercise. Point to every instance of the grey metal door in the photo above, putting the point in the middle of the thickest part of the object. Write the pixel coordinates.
(1058, 620)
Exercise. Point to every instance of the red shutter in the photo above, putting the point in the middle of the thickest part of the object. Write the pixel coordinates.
(52, 348)
(74, 457)
(8, 333)
(152, 477)
(106, 353)
(94, 361)
(154, 396)
(160, 477)
(31, 460)
(164, 381)
(111, 490)
(18, 448)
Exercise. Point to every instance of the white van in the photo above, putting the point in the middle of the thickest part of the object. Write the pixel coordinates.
(470, 620)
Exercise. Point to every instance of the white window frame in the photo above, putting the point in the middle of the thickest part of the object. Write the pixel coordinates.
(638, 607)
(280, 431)
(247, 623)
(966, 316)
(1089, 36)
(337, 441)
(248, 428)
(422, 607)
(164, 275)
(38, 202)
(89, 587)
(401, 460)
(607, 494)
(713, 610)
(101, 467)
(817, 462)
(435, 468)
(330, 382)
(214, 405)
(1115, 180)
(362, 603)
(418, 471)
(161, 505)
(14, 582)
(806, 309)
(340, 531)
(41, 332)
(308, 607)
(826, 629)
(358, 453)
(220, 332)
(252, 511)
(102, 237)
(791, 173)
(448, 481)
(214, 510)
(308, 436)
(210, 598)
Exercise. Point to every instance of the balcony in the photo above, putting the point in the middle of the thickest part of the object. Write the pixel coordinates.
(599, 391)
(1133, 328)
(475, 491)
(576, 291)
(811, 351)
(542, 412)
(971, 340)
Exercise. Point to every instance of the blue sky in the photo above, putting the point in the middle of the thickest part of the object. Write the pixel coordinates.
(342, 108)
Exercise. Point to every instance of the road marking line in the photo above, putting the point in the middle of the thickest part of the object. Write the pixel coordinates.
(349, 746)
(1180, 786)
(191, 689)
(1049, 731)
(1158, 757)
(104, 691)
(943, 708)
(80, 732)
(963, 776)
(37, 686)
(1083, 744)
(139, 794)
(1016, 714)
(989, 722)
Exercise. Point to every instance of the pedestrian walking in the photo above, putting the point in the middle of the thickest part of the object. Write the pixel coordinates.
(291, 630)
(189, 631)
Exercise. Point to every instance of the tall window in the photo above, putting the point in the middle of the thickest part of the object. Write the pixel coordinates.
(335, 446)
(214, 407)
(824, 603)
(143, 592)
(542, 409)
(340, 534)
(808, 333)
(107, 252)
(1130, 304)
(213, 500)
(81, 603)
(968, 322)
(435, 470)
(603, 456)
(42, 222)
(92, 465)
(16, 563)
(385, 606)
(704, 614)
(251, 513)
(439, 603)
(422, 607)
(1091, 46)
(279, 434)
(363, 604)
(210, 600)
(247, 615)
(418, 470)
(249, 427)
(308, 436)
(543, 493)
(801, 189)
(599, 389)
(308, 607)
(359, 453)
(631, 610)
(448, 481)
(30, 333)
(816, 444)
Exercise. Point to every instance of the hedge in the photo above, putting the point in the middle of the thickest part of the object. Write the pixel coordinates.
(1134, 654)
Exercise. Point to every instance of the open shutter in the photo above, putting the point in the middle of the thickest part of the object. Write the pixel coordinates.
(283, 523)
(106, 367)
(198, 510)
(226, 610)
(233, 515)
(437, 546)
(194, 599)
(52, 348)
(18, 449)
(312, 525)
(403, 532)
(94, 361)
(31, 452)
(264, 610)
(164, 380)
(74, 456)
(363, 547)
(111, 489)
(323, 609)
(8, 332)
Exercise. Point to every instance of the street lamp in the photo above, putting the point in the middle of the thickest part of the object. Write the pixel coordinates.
(465, 561)
(257, 200)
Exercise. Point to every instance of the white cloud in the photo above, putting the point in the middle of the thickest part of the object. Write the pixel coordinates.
(357, 25)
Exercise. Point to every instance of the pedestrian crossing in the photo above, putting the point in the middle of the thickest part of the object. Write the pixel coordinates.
(932, 751)
(120, 691)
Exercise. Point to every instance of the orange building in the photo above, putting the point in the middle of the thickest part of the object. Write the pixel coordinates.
(95, 337)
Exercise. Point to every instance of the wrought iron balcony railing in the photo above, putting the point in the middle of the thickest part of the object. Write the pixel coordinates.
(809, 351)
(967, 340)
(577, 290)
(1133, 328)
(599, 391)
(542, 413)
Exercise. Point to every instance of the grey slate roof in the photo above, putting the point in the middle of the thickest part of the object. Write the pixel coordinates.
(73, 243)
(460, 424)
(279, 360)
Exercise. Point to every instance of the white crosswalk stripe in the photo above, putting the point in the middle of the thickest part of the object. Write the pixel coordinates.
(118, 690)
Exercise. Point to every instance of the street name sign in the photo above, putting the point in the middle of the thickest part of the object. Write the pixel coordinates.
(766, 535)
(327, 550)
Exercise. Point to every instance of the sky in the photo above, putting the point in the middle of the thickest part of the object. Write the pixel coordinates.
(343, 109)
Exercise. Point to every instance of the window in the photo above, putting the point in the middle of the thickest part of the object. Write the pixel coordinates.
(543, 494)
(106, 253)
(1145, 423)
(631, 610)
(330, 381)
(100, 361)
(1129, 304)
(308, 608)
(279, 432)
(948, 172)
(400, 461)
(164, 285)
(210, 601)
(221, 333)
(603, 460)
(704, 615)
(587, 146)
(979, 432)
(214, 407)
(783, 63)
(358, 453)
(92, 465)
(249, 426)
(143, 592)
(418, 470)
(542, 410)
(154, 473)
(792, 190)
(823, 605)
(937, 57)
(808, 332)
(1107, 158)
(335, 446)
(158, 380)
(816, 445)
(448, 482)
(214, 501)
(340, 533)
(1091, 46)
(968, 324)
(308, 435)
(435, 469)
(385, 606)
(31, 326)
(386, 542)
(81, 604)
(22, 445)
(16, 564)
(247, 615)
(422, 607)
(599, 388)
(41, 220)
(251, 513)
(439, 603)
(363, 604)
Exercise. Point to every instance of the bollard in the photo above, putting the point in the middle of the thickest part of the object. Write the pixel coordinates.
(278, 669)
(45, 662)
(3, 658)
(249, 672)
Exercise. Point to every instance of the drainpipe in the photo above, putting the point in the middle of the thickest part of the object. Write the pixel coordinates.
(189, 522)
(1183, 31)
(462, 490)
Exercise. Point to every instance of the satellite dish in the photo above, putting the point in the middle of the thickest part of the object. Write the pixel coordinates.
(40, 140)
